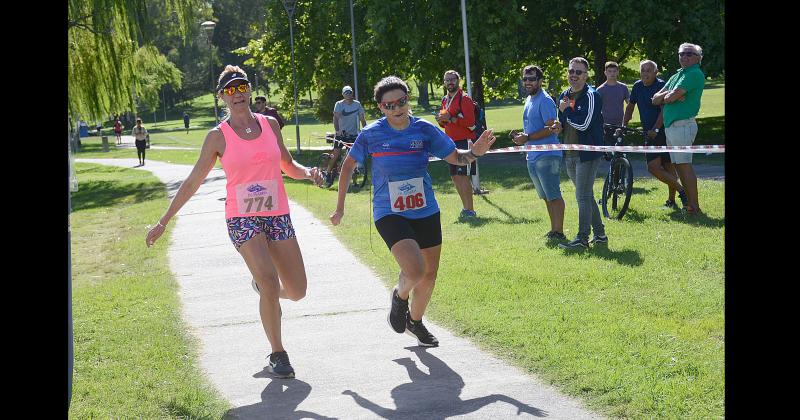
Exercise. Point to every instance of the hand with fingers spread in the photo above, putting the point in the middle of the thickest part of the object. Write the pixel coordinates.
(484, 143)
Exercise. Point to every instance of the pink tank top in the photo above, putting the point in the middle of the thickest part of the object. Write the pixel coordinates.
(253, 171)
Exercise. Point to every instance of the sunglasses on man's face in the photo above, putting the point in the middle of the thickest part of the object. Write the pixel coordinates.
(529, 78)
(390, 106)
(576, 72)
(687, 54)
(230, 90)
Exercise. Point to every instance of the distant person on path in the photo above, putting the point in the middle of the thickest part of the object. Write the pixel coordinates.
(263, 109)
(658, 164)
(580, 114)
(457, 117)
(140, 134)
(347, 113)
(186, 121)
(615, 95)
(681, 99)
(405, 210)
(118, 130)
(541, 126)
(250, 148)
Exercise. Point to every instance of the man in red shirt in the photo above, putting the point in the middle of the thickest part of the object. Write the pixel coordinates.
(457, 116)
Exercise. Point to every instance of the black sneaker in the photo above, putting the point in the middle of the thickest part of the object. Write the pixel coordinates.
(397, 315)
(278, 365)
(599, 239)
(554, 236)
(670, 204)
(328, 179)
(577, 245)
(417, 330)
(684, 199)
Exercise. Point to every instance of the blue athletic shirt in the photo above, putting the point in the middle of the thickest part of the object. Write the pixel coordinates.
(400, 161)
(538, 109)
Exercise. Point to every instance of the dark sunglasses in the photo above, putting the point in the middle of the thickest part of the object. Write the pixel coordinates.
(390, 106)
(576, 72)
(529, 78)
(230, 90)
(687, 54)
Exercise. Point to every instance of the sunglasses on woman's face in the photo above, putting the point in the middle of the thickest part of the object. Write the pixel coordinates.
(230, 90)
(390, 106)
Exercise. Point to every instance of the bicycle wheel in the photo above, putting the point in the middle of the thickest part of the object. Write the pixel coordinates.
(617, 189)
(360, 175)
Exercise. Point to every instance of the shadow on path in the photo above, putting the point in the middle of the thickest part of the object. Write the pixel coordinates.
(435, 395)
(279, 400)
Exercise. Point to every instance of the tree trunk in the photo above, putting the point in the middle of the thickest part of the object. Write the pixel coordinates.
(599, 47)
(423, 99)
(477, 82)
(310, 101)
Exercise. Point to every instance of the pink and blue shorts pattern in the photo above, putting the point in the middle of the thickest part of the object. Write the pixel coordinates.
(242, 229)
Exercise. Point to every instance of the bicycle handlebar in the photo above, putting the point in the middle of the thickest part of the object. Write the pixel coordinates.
(624, 129)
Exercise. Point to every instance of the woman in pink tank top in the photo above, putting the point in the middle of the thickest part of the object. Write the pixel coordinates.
(253, 156)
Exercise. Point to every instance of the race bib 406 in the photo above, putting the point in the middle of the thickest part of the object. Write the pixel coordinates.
(407, 195)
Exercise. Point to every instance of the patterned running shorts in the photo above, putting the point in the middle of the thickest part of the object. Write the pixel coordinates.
(242, 229)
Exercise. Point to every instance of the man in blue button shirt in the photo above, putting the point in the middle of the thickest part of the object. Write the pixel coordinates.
(541, 126)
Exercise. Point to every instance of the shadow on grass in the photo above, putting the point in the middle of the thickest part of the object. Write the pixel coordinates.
(94, 194)
(634, 216)
(628, 257)
(697, 220)
(509, 220)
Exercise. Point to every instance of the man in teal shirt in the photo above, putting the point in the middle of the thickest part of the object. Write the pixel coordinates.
(681, 99)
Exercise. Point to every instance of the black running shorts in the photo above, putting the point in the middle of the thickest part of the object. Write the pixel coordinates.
(462, 170)
(426, 231)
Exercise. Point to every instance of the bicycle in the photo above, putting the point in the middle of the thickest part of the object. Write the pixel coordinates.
(359, 172)
(618, 185)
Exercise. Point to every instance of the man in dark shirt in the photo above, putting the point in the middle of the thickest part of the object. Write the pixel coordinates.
(262, 108)
(658, 164)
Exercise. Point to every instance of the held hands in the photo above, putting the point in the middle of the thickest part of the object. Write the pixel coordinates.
(154, 233)
(484, 143)
(315, 175)
(443, 117)
(519, 138)
(651, 134)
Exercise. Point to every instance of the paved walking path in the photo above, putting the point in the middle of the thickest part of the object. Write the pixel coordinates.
(349, 363)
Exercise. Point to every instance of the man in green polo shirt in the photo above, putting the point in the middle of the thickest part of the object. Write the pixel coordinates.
(681, 99)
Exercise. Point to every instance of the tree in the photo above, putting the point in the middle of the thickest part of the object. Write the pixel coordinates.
(103, 39)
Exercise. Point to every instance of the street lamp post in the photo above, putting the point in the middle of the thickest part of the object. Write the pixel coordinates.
(289, 6)
(208, 28)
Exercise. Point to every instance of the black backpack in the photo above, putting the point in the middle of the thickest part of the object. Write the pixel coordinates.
(480, 118)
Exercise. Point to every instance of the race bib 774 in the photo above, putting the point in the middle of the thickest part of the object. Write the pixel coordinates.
(257, 196)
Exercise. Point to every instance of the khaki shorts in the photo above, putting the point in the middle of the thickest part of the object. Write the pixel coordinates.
(681, 133)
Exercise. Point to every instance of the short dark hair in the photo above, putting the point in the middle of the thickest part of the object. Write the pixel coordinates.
(581, 60)
(389, 83)
(261, 98)
(533, 69)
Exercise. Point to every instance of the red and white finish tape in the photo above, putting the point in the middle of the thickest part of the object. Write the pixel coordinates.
(711, 148)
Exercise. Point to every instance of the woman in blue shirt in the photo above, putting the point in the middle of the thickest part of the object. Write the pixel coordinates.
(405, 211)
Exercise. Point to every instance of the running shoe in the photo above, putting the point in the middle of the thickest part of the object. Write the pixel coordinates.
(278, 365)
(417, 330)
(467, 213)
(684, 198)
(397, 315)
(554, 236)
(599, 239)
(575, 245)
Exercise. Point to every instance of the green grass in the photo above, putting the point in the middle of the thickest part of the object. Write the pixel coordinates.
(636, 328)
(503, 117)
(133, 356)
